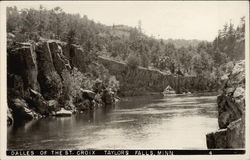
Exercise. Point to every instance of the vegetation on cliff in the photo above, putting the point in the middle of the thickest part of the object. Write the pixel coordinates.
(120, 42)
(45, 75)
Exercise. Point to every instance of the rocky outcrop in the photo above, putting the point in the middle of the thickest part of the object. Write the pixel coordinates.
(231, 111)
(108, 97)
(10, 119)
(59, 59)
(75, 55)
(49, 79)
(168, 90)
(36, 80)
(137, 81)
(88, 94)
(38, 103)
(22, 68)
(21, 111)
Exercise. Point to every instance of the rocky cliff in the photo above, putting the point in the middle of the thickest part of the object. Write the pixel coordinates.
(138, 81)
(37, 83)
(231, 111)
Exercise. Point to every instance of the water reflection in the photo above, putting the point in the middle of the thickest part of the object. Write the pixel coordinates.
(136, 122)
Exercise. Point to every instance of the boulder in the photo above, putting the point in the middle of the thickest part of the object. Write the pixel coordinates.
(86, 104)
(21, 111)
(88, 94)
(235, 134)
(230, 137)
(217, 139)
(231, 111)
(169, 90)
(228, 111)
(37, 102)
(70, 106)
(239, 93)
(108, 97)
(52, 105)
(10, 119)
(63, 113)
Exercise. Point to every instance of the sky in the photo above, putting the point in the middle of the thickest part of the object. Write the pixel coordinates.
(162, 19)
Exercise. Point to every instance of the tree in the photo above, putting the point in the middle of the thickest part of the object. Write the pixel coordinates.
(197, 64)
(133, 61)
(13, 19)
(144, 60)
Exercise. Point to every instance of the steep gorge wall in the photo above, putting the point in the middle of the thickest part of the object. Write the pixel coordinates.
(34, 73)
(141, 80)
(231, 111)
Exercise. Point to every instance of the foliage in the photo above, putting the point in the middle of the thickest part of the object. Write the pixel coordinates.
(127, 44)
(231, 41)
(113, 84)
(73, 81)
(133, 61)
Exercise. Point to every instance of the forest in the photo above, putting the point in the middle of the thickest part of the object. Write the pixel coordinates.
(129, 44)
(63, 64)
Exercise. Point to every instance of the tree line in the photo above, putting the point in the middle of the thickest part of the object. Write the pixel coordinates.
(129, 44)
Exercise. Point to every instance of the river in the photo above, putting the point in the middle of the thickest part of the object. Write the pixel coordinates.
(147, 122)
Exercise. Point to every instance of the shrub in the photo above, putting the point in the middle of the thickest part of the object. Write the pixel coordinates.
(113, 84)
(144, 61)
(133, 61)
(72, 83)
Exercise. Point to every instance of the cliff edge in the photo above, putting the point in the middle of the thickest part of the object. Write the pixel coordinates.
(231, 111)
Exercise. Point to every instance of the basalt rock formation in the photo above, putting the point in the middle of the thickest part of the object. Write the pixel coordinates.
(35, 77)
(231, 111)
(139, 80)
(35, 82)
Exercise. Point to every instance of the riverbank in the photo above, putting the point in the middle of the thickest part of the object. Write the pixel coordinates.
(47, 76)
(144, 122)
(140, 80)
(231, 111)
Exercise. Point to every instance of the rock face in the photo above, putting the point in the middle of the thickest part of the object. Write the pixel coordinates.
(231, 111)
(108, 97)
(140, 80)
(35, 80)
(75, 55)
(88, 94)
(21, 111)
(49, 79)
(59, 59)
(23, 67)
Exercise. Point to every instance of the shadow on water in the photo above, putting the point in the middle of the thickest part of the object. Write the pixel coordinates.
(134, 122)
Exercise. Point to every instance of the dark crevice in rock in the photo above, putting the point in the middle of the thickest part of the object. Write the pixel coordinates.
(35, 81)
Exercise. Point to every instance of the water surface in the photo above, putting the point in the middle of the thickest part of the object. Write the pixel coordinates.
(148, 122)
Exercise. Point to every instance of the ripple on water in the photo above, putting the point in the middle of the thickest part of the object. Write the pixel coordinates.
(179, 122)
